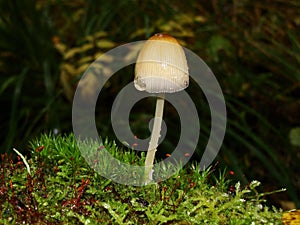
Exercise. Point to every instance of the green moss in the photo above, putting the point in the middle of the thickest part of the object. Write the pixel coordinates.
(63, 189)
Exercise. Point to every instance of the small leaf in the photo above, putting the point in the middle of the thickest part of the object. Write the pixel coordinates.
(294, 136)
(200, 19)
(71, 53)
(83, 67)
(85, 59)
(61, 47)
(138, 33)
(69, 68)
(86, 47)
(100, 34)
(105, 44)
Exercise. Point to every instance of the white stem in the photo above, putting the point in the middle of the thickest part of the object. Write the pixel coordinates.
(155, 135)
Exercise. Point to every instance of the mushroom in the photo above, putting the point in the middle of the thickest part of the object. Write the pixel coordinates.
(161, 67)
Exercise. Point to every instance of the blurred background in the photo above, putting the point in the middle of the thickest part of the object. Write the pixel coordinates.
(252, 46)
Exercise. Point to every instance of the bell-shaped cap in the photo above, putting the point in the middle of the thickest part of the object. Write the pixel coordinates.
(161, 66)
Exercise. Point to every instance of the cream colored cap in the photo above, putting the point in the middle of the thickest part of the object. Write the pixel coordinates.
(161, 66)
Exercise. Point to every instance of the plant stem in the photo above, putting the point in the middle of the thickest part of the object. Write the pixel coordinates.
(155, 135)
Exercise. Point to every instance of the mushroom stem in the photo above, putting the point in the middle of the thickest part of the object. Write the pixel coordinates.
(155, 135)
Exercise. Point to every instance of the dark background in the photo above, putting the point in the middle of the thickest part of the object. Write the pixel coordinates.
(253, 48)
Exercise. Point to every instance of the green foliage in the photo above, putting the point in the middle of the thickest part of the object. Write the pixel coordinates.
(63, 189)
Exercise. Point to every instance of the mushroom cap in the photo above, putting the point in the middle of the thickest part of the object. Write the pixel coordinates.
(161, 66)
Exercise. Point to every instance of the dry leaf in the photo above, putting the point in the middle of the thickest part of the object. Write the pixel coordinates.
(291, 217)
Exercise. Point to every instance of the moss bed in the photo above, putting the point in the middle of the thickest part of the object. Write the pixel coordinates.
(53, 184)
